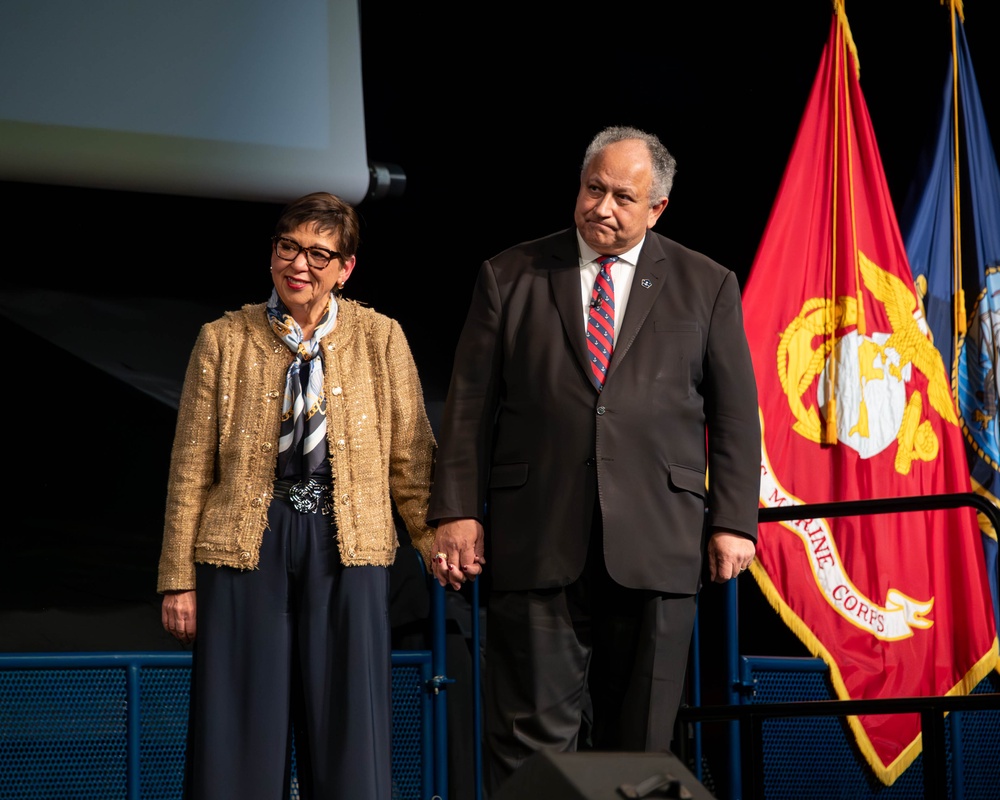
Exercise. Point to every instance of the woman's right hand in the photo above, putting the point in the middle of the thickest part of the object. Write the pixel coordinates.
(178, 615)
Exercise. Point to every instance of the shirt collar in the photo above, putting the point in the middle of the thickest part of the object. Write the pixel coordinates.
(589, 254)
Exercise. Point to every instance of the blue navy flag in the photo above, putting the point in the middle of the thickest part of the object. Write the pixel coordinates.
(962, 301)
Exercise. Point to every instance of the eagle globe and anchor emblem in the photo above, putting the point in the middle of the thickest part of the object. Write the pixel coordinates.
(876, 403)
(870, 372)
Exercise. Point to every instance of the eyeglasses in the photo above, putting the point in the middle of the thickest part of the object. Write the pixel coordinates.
(317, 257)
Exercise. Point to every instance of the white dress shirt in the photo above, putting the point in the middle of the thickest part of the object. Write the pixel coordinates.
(621, 275)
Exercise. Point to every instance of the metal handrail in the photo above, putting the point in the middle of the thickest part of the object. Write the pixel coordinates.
(882, 505)
(932, 709)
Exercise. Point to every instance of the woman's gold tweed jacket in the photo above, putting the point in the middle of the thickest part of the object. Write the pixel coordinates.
(226, 446)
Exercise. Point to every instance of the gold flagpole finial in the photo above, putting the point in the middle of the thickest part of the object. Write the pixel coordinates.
(956, 8)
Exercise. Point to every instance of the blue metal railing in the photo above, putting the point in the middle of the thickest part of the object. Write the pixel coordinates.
(56, 708)
(745, 720)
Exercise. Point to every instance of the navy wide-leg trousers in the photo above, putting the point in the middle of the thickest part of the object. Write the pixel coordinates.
(303, 644)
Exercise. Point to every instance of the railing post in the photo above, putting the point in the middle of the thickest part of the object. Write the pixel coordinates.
(932, 749)
(681, 727)
(134, 737)
(732, 626)
(439, 661)
(477, 727)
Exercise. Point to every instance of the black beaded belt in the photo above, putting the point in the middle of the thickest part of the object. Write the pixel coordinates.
(306, 496)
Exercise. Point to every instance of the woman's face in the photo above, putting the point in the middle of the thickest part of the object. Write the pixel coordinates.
(301, 286)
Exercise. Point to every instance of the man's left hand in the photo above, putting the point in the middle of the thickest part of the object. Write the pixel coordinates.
(728, 555)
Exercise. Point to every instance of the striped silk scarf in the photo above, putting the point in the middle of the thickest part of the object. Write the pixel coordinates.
(303, 412)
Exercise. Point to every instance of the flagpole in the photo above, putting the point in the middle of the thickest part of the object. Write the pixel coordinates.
(846, 43)
(830, 431)
(958, 326)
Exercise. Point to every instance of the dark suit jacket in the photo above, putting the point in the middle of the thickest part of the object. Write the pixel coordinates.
(524, 429)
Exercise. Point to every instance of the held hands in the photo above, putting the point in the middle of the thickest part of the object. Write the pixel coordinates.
(459, 549)
(178, 615)
(728, 555)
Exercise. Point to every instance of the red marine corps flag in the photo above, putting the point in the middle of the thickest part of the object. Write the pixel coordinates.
(855, 403)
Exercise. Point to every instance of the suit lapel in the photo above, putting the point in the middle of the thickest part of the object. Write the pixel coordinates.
(647, 283)
(564, 278)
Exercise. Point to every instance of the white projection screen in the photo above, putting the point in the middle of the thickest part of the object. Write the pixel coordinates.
(240, 99)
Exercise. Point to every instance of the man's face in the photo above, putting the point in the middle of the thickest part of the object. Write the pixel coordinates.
(612, 209)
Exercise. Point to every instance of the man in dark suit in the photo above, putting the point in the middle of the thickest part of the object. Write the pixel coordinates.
(590, 398)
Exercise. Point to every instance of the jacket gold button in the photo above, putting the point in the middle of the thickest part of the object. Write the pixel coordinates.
(266, 447)
(256, 503)
(244, 556)
(337, 390)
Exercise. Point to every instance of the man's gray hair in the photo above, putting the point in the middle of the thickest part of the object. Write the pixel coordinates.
(664, 164)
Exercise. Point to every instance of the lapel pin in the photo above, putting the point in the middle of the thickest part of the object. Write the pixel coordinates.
(646, 283)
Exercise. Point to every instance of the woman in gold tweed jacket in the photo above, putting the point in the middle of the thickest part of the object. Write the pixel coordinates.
(300, 423)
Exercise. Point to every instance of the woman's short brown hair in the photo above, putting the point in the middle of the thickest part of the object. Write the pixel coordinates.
(326, 213)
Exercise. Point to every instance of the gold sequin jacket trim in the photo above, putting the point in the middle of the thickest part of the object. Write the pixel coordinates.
(225, 448)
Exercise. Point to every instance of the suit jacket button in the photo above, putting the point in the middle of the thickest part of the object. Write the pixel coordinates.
(601, 410)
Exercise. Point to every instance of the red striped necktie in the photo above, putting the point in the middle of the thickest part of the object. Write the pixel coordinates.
(601, 322)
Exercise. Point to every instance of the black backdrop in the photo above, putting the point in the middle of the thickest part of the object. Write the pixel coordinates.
(487, 110)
